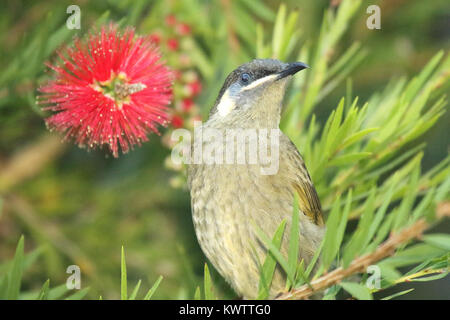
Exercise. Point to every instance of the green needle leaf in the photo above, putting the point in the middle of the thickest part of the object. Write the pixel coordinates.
(209, 294)
(357, 290)
(43, 294)
(135, 291)
(270, 262)
(123, 276)
(152, 290)
(15, 274)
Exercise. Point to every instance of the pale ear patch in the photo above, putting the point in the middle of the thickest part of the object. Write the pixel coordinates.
(226, 104)
(259, 82)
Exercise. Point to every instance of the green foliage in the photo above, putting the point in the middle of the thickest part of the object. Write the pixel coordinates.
(357, 290)
(208, 288)
(294, 242)
(336, 224)
(123, 277)
(356, 149)
(208, 285)
(124, 283)
(432, 255)
(268, 268)
(14, 277)
(11, 280)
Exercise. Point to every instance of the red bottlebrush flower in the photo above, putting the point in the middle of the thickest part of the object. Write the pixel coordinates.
(171, 20)
(191, 121)
(172, 44)
(195, 88)
(155, 38)
(183, 29)
(111, 89)
(177, 122)
(187, 104)
(177, 74)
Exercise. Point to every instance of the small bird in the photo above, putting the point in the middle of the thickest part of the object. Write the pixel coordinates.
(228, 200)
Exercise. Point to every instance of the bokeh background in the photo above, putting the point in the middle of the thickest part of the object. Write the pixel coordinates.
(80, 207)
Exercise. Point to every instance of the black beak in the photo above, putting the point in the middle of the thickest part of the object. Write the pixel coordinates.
(292, 68)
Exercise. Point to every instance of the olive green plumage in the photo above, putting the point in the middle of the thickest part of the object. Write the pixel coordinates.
(229, 199)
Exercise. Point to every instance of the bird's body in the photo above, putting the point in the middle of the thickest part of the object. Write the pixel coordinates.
(228, 200)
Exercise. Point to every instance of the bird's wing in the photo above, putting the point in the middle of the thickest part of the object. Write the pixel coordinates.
(309, 202)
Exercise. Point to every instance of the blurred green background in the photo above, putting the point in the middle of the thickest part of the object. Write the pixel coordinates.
(80, 207)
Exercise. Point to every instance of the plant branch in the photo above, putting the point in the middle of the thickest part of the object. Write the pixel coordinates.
(29, 161)
(48, 231)
(419, 274)
(360, 264)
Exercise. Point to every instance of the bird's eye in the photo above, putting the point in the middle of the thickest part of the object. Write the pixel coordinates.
(245, 78)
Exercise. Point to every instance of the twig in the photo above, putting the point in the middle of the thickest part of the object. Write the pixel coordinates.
(419, 274)
(29, 161)
(360, 264)
(49, 231)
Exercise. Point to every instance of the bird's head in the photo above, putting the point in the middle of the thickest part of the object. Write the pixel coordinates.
(252, 94)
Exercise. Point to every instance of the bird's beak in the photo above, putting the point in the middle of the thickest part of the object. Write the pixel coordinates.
(291, 69)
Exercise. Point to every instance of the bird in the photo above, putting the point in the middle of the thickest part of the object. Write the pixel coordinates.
(229, 199)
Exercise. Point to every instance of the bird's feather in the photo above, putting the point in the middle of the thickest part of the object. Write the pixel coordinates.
(309, 202)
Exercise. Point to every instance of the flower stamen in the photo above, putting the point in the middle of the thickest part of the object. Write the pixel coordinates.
(118, 89)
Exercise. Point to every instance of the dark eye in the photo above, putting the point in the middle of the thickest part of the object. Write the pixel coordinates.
(245, 78)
